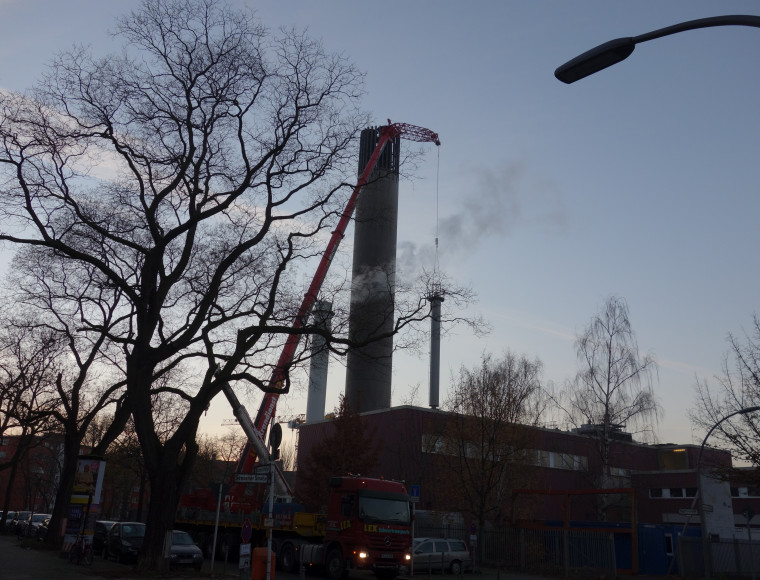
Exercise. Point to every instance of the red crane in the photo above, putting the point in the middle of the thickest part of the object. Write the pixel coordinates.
(255, 430)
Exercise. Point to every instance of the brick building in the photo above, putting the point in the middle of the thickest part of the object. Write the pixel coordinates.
(660, 481)
(35, 480)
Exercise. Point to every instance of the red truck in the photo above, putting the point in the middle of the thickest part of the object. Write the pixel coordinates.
(367, 526)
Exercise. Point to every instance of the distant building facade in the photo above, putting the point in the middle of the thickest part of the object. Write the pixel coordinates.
(660, 481)
(35, 480)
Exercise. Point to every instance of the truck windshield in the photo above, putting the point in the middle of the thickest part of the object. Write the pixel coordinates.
(390, 510)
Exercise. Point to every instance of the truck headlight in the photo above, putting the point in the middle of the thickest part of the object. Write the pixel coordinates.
(362, 555)
(407, 557)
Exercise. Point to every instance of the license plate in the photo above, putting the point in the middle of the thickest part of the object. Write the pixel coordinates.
(185, 560)
(387, 556)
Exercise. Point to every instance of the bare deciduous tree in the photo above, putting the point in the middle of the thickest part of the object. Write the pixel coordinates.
(28, 367)
(737, 388)
(349, 448)
(47, 296)
(613, 388)
(484, 439)
(193, 175)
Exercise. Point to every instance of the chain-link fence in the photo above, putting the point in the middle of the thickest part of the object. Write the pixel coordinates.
(732, 558)
(562, 552)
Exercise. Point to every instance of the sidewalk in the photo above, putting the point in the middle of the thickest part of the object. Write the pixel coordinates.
(30, 560)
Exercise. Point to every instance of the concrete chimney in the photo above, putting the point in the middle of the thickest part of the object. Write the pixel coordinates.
(369, 368)
(320, 356)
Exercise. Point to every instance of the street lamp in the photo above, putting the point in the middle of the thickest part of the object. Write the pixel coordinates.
(614, 51)
(700, 494)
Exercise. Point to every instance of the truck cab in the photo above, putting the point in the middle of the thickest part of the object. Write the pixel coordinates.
(368, 527)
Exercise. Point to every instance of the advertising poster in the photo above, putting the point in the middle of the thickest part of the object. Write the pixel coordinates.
(85, 500)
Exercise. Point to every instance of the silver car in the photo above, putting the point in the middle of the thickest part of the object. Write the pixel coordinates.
(441, 555)
(184, 552)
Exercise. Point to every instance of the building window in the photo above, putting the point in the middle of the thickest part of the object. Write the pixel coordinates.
(745, 491)
(620, 472)
(668, 544)
(672, 492)
(671, 459)
(557, 460)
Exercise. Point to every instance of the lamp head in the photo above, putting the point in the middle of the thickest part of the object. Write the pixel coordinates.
(596, 59)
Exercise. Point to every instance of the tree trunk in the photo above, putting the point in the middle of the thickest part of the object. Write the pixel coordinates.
(8, 490)
(162, 508)
(71, 446)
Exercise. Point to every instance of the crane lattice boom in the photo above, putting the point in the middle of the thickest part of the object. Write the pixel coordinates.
(413, 132)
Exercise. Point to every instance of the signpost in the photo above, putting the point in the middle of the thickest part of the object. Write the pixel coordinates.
(246, 531)
(252, 477)
(245, 549)
(414, 499)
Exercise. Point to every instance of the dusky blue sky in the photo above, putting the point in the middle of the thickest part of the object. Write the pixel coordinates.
(640, 181)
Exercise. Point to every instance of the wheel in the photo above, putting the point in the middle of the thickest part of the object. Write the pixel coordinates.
(336, 565)
(88, 555)
(456, 567)
(74, 554)
(288, 560)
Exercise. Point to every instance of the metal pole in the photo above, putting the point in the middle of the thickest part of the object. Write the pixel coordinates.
(411, 548)
(749, 514)
(706, 551)
(271, 514)
(216, 527)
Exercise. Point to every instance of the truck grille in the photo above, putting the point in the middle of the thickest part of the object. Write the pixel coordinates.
(392, 542)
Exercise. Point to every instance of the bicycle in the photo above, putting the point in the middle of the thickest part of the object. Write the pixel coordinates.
(81, 551)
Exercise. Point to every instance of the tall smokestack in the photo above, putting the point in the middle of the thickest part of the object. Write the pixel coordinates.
(320, 356)
(369, 368)
(435, 298)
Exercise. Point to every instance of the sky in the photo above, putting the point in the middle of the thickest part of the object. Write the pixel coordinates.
(640, 181)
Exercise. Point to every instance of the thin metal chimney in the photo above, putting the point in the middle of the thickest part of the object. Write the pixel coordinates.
(320, 357)
(435, 298)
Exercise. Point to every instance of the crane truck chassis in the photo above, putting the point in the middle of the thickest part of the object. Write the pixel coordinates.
(367, 526)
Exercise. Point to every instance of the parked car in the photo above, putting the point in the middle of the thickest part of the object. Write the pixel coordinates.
(8, 520)
(29, 526)
(42, 529)
(102, 527)
(441, 554)
(184, 552)
(124, 541)
(15, 527)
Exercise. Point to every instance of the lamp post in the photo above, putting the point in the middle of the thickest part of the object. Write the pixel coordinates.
(614, 51)
(700, 492)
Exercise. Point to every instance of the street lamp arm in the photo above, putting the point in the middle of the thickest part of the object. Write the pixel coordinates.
(614, 51)
(743, 411)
